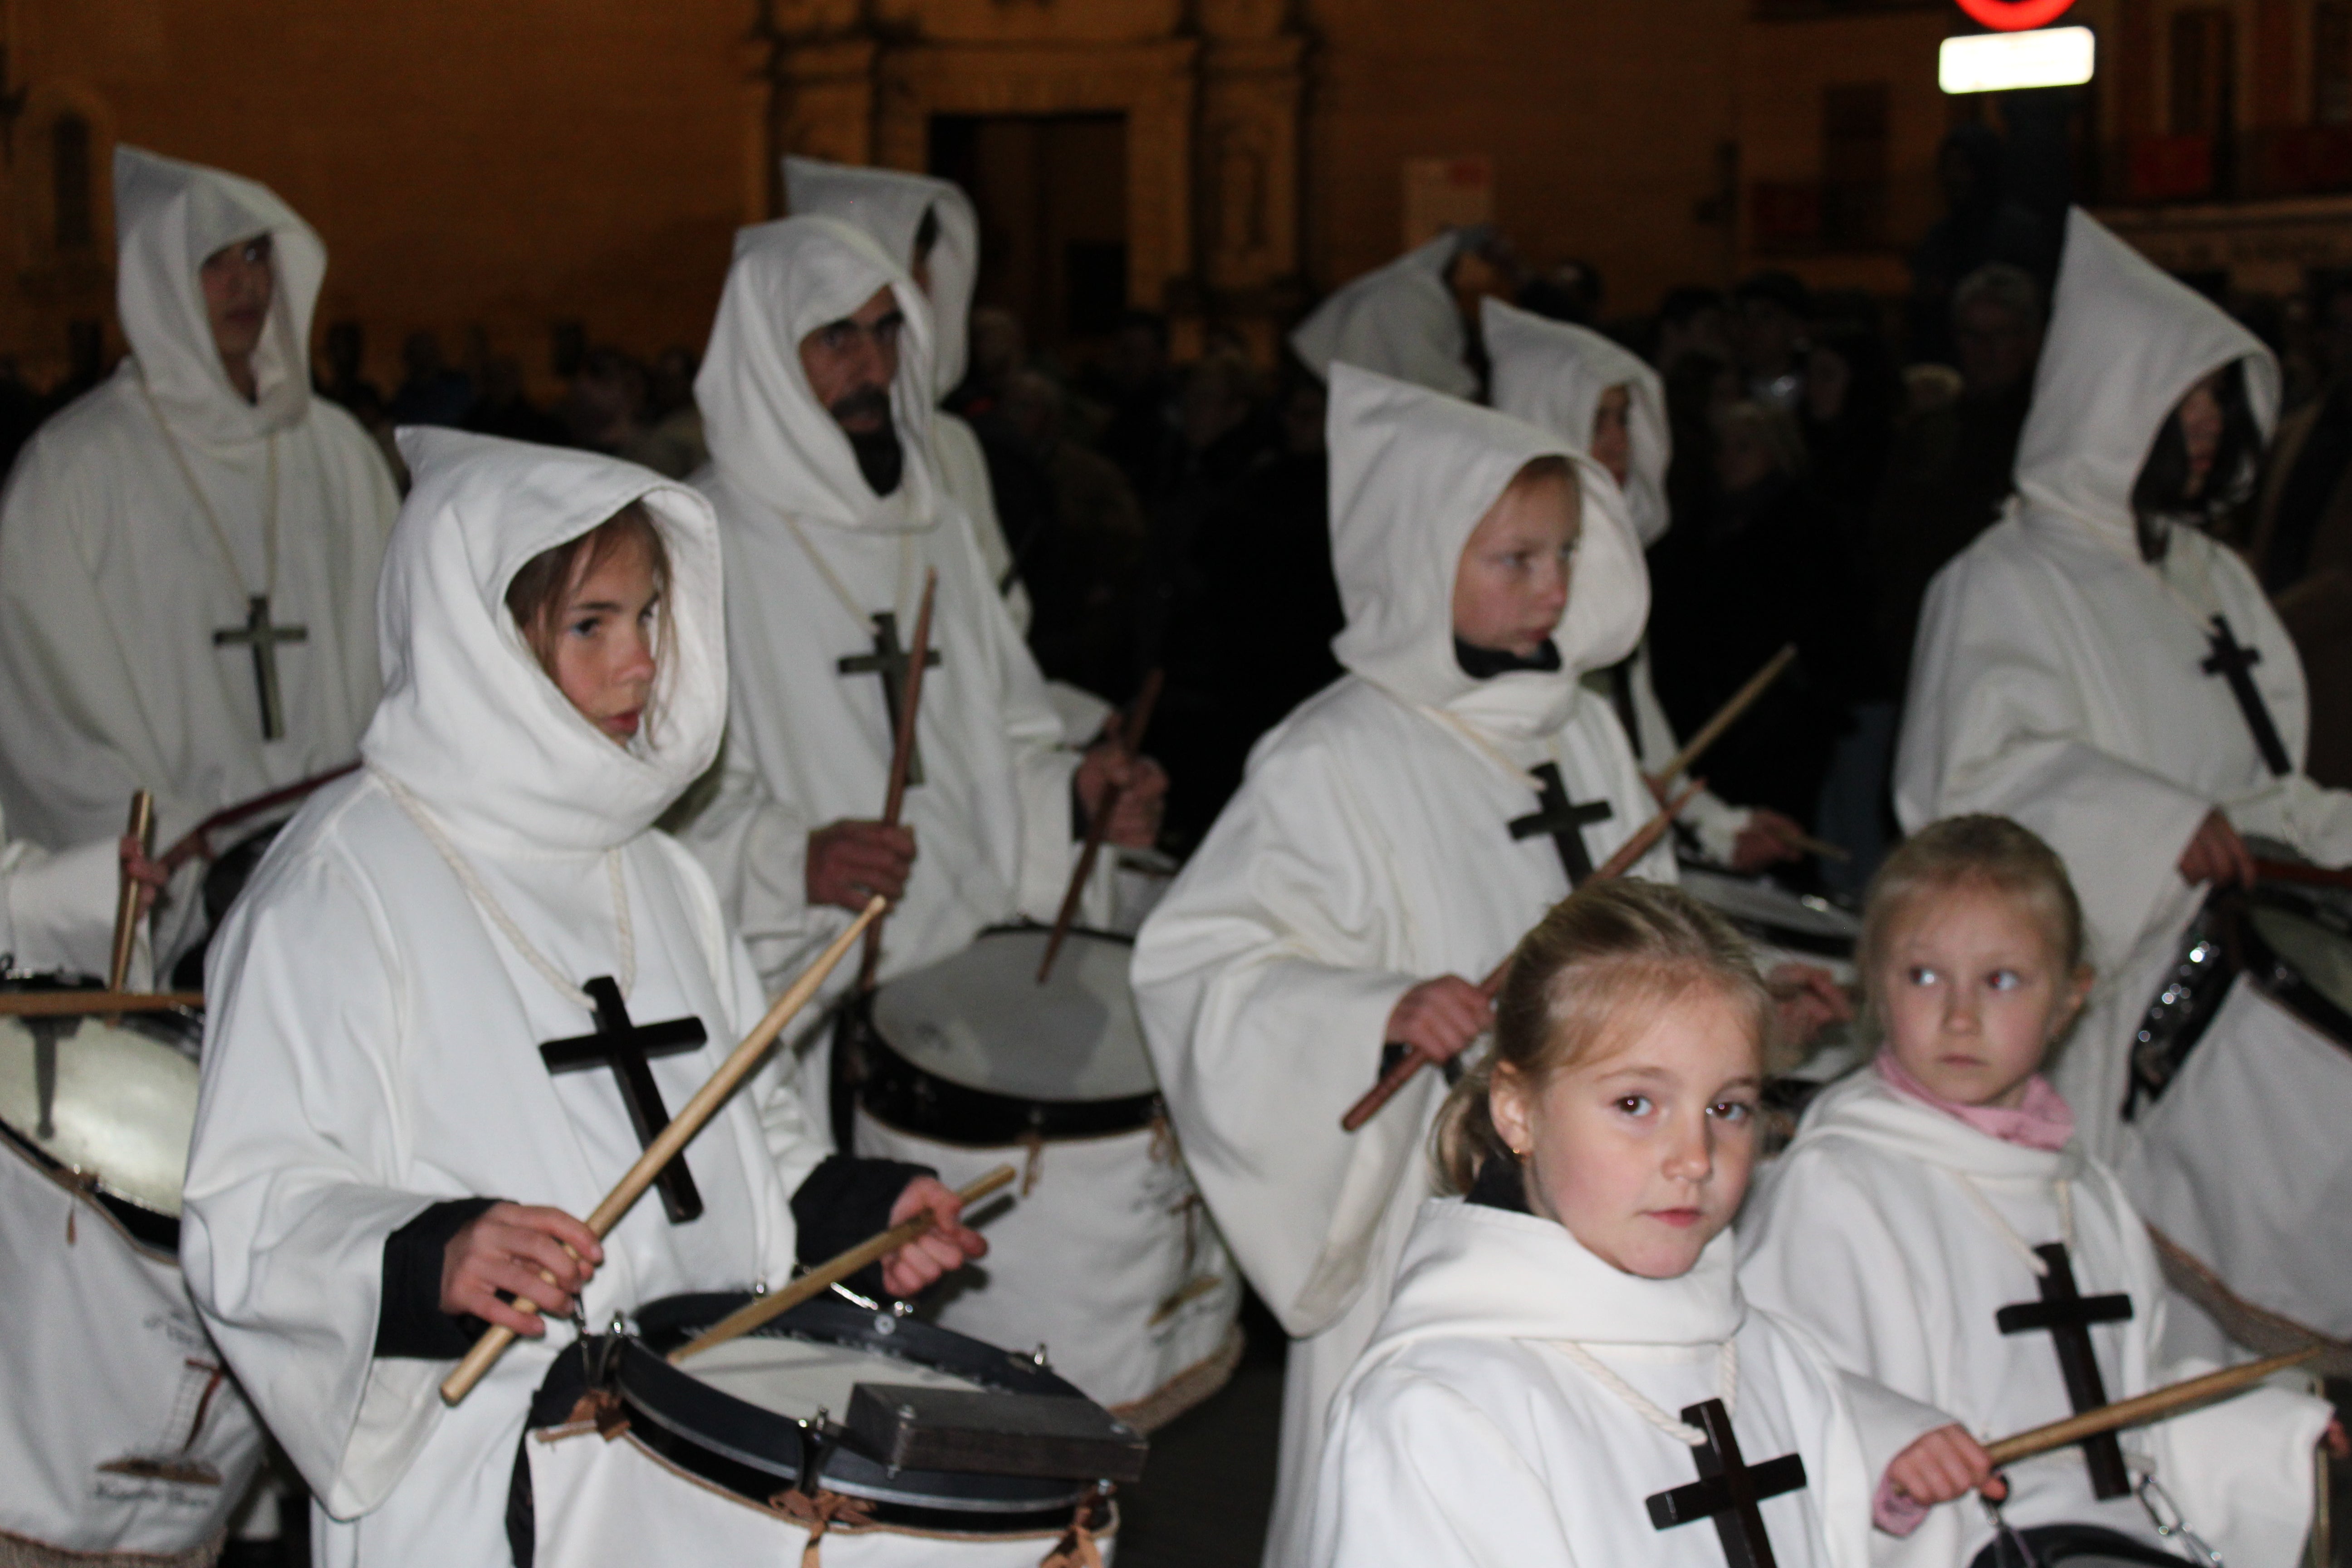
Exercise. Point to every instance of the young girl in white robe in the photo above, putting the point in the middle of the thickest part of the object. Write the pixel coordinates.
(1929, 1191)
(1564, 1337)
(380, 1150)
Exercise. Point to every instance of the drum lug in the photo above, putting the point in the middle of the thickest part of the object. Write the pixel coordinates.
(1038, 1357)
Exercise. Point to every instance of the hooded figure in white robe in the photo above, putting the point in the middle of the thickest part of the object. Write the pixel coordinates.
(813, 555)
(1370, 850)
(1553, 375)
(889, 206)
(1469, 1437)
(378, 996)
(2060, 679)
(142, 521)
(1895, 1233)
(1400, 320)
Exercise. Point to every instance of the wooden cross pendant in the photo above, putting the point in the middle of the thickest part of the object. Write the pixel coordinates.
(890, 661)
(2068, 1315)
(2234, 662)
(1729, 1489)
(262, 636)
(1565, 820)
(627, 1048)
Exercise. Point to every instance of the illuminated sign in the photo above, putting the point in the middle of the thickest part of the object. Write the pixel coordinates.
(2016, 16)
(1999, 62)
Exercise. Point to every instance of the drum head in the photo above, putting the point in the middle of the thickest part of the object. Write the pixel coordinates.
(112, 1104)
(980, 1020)
(1800, 920)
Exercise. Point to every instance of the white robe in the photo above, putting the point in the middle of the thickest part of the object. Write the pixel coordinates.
(1400, 320)
(807, 745)
(1866, 1232)
(1466, 1437)
(111, 580)
(1367, 850)
(371, 1036)
(2058, 680)
(57, 910)
(1553, 375)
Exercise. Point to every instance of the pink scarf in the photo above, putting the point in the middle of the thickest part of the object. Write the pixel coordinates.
(2043, 1120)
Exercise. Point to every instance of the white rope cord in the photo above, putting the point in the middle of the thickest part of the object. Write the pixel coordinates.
(1454, 725)
(2008, 1233)
(487, 901)
(1727, 1378)
(861, 618)
(212, 517)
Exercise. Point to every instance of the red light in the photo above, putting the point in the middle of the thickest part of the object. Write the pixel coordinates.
(2016, 16)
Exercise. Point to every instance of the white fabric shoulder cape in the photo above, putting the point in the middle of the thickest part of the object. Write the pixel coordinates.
(813, 555)
(111, 580)
(1467, 1437)
(373, 1039)
(1400, 320)
(1868, 1233)
(1368, 849)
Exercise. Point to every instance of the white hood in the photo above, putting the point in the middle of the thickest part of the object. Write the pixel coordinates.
(1400, 320)
(1412, 473)
(169, 217)
(1553, 375)
(469, 722)
(2127, 342)
(888, 204)
(769, 438)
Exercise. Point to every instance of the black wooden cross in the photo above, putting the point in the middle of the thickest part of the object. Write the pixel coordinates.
(625, 1048)
(2234, 663)
(1729, 1489)
(263, 636)
(1564, 820)
(2068, 1314)
(890, 661)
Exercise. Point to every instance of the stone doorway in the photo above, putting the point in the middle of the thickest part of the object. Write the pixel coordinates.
(1051, 190)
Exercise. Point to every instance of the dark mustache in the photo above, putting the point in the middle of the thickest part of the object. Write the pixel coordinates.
(866, 401)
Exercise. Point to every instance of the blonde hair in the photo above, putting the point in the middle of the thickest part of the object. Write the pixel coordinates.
(1601, 953)
(1961, 851)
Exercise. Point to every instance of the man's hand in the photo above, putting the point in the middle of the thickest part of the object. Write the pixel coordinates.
(1944, 1465)
(1440, 1017)
(1769, 839)
(151, 876)
(1806, 999)
(2216, 855)
(1143, 797)
(849, 862)
(508, 1246)
(950, 1244)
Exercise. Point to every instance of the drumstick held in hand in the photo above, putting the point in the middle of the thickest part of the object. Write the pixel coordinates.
(126, 901)
(73, 1004)
(1616, 865)
(1727, 715)
(902, 754)
(831, 1272)
(1130, 741)
(681, 1129)
(2139, 1411)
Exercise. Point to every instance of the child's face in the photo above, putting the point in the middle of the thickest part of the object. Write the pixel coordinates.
(1511, 587)
(1643, 1151)
(1972, 993)
(603, 654)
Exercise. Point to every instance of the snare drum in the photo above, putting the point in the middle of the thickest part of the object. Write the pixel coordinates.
(745, 1451)
(122, 1428)
(1803, 926)
(1107, 1259)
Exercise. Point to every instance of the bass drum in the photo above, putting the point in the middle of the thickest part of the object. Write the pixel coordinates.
(742, 1453)
(1107, 1260)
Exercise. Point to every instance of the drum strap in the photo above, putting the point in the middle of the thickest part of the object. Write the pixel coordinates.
(819, 1514)
(2033, 1261)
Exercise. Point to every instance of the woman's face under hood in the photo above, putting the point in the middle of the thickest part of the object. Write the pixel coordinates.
(1558, 376)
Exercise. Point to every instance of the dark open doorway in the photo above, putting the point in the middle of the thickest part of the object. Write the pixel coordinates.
(1052, 194)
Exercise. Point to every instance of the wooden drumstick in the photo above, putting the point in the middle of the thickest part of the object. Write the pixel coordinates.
(1616, 865)
(71, 1004)
(1727, 715)
(681, 1129)
(911, 703)
(126, 900)
(2156, 1403)
(1130, 741)
(831, 1272)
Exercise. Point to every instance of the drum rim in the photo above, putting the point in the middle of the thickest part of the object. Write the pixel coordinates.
(1821, 942)
(668, 1396)
(2281, 981)
(982, 1117)
(145, 1226)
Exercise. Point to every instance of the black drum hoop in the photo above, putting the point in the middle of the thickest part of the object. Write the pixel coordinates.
(899, 1094)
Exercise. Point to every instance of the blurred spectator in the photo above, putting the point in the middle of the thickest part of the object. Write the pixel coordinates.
(1571, 292)
(1768, 311)
(435, 393)
(346, 381)
(1691, 320)
(1700, 388)
(1981, 224)
(502, 406)
(999, 348)
(607, 398)
(1132, 384)
(674, 442)
(1848, 414)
